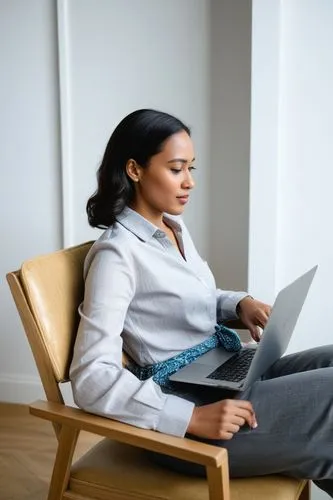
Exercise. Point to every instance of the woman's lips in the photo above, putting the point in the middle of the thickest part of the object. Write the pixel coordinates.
(183, 199)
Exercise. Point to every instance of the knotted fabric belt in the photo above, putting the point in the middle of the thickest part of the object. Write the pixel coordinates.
(160, 372)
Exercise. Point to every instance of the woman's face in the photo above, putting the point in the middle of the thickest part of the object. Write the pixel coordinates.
(165, 183)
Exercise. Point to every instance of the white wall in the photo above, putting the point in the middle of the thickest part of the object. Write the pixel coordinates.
(265, 95)
(305, 204)
(123, 56)
(30, 189)
(230, 142)
(291, 158)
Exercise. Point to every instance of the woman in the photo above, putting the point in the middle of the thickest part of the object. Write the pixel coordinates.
(147, 291)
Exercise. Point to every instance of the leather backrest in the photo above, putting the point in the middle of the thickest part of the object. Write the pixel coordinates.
(54, 288)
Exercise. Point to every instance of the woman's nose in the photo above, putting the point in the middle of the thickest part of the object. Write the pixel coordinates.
(188, 182)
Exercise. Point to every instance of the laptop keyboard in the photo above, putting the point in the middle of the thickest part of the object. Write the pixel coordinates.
(236, 368)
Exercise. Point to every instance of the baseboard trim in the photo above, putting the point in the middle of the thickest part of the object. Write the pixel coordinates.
(18, 389)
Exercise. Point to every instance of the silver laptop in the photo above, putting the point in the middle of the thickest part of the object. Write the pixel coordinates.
(228, 370)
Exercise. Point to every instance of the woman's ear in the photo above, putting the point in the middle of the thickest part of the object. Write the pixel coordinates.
(133, 170)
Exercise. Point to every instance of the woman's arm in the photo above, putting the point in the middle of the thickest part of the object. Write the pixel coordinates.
(100, 384)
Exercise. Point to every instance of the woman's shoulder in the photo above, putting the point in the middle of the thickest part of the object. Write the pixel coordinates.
(112, 237)
(114, 244)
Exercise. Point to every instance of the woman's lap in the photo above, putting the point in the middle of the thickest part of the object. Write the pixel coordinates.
(294, 409)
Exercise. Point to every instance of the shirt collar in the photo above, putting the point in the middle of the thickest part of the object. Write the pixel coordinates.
(141, 227)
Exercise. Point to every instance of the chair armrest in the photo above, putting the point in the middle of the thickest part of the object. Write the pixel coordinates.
(183, 448)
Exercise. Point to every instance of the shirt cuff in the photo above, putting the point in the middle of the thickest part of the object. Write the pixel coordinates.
(175, 416)
(227, 309)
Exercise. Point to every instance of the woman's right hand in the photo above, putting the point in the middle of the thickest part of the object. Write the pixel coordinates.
(221, 420)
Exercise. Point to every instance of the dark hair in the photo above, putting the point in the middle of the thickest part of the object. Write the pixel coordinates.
(139, 136)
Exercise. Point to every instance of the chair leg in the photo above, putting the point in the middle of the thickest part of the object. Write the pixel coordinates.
(218, 482)
(61, 470)
(306, 492)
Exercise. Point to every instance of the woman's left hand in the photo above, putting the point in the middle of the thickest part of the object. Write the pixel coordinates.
(253, 313)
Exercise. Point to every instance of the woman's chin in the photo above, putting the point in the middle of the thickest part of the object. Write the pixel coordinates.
(175, 210)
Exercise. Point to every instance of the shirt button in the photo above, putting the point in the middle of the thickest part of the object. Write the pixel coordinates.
(159, 234)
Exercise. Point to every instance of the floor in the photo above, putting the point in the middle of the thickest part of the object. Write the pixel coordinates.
(27, 451)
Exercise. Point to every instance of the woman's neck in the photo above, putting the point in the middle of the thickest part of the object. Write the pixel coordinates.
(155, 217)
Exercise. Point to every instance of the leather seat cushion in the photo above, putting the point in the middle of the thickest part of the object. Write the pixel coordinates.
(117, 471)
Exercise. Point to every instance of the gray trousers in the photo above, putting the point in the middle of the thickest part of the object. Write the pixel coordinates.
(293, 404)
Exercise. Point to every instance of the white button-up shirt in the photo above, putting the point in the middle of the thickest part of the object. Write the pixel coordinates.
(143, 296)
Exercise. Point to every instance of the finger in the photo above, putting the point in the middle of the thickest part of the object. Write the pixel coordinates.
(266, 316)
(268, 310)
(252, 328)
(251, 421)
(226, 436)
(240, 421)
(244, 409)
(261, 323)
(229, 427)
(263, 314)
(262, 318)
(255, 333)
(249, 417)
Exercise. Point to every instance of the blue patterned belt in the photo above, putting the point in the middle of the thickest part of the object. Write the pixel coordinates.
(223, 336)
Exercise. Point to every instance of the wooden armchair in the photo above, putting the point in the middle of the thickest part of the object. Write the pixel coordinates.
(47, 291)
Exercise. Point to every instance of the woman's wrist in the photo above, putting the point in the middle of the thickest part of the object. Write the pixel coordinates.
(239, 305)
(192, 424)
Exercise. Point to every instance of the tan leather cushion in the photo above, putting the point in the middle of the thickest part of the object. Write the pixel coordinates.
(124, 473)
(54, 288)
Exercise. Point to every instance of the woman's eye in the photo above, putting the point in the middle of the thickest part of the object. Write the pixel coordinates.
(178, 170)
